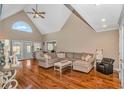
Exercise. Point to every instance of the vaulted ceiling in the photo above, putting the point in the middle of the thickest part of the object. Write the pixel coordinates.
(55, 17)
(11, 9)
(99, 17)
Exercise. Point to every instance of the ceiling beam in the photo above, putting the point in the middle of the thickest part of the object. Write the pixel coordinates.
(77, 14)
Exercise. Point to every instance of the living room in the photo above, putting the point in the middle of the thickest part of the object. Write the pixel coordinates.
(74, 38)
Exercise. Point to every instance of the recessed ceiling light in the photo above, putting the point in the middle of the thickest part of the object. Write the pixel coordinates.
(103, 19)
(104, 26)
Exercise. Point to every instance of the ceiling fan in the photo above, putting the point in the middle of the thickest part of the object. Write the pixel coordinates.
(36, 13)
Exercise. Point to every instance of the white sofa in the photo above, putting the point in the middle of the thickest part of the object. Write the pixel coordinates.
(83, 62)
(79, 63)
(83, 66)
(47, 60)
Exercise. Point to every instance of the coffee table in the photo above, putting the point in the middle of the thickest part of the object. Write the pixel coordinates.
(62, 64)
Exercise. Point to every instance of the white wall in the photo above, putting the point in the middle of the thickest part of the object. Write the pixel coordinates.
(76, 36)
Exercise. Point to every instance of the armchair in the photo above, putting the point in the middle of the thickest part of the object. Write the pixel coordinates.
(106, 66)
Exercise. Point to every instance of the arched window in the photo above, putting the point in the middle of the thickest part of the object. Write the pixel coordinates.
(21, 26)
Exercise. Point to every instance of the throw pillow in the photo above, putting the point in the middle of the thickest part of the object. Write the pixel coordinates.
(41, 53)
(87, 57)
(77, 55)
(47, 56)
(52, 55)
(69, 55)
(61, 55)
(83, 58)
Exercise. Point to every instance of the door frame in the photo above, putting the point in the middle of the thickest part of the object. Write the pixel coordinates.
(24, 47)
(21, 53)
(121, 54)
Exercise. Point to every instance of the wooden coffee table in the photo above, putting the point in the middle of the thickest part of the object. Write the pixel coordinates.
(62, 64)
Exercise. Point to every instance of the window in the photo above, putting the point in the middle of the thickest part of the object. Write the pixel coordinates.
(29, 49)
(17, 49)
(37, 45)
(21, 26)
(50, 46)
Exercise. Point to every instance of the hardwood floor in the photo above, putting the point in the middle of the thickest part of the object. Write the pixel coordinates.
(32, 76)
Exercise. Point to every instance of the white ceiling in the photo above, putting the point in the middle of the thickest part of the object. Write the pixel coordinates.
(57, 14)
(55, 17)
(94, 13)
(10, 9)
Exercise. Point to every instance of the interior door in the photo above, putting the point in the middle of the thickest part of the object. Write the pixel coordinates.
(121, 55)
(27, 50)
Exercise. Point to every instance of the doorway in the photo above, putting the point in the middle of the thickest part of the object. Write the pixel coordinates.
(17, 47)
(22, 48)
(27, 50)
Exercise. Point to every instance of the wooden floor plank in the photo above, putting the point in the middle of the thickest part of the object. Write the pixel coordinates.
(32, 76)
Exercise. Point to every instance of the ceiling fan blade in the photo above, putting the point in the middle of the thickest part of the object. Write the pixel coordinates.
(41, 16)
(30, 12)
(34, 16)
(34, 10)
(37, 13)
(42, 13)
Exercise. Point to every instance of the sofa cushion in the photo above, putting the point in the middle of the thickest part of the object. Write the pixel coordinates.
(39, 52)
(54, 60)
(69, 55)
(38, 55)
(41, 59)
(81, 63)
(47, 56)
(52, 55)
(61, 55)
(85, 54)
(83, 58)
(91, 60)
(87, 57)
(77, 55)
